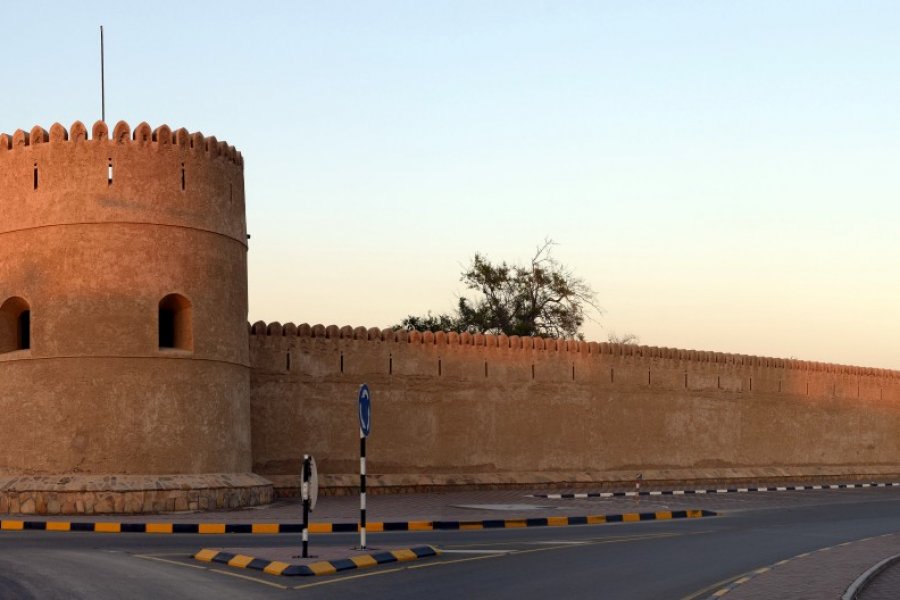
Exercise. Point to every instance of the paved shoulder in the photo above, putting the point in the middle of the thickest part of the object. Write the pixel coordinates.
(823, 573)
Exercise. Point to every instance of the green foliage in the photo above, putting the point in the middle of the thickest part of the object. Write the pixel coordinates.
(431, 322)
(541, 298)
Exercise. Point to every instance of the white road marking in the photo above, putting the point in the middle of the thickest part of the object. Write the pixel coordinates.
(558, 542)
(248, 578)
(478, 551)
(171, 562)
(181, 564)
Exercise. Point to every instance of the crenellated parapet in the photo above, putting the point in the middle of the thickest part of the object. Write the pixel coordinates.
(162, 138)
(118, 174)
(261, 329)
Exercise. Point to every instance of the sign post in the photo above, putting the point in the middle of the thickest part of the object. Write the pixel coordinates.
(365, 424)
(309, 492)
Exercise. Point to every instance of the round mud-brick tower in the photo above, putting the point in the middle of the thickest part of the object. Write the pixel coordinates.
(124, 367)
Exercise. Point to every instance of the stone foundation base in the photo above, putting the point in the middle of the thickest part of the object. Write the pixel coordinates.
(130, 494)
(288, 486)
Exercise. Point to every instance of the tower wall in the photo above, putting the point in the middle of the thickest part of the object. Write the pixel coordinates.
(95, 231)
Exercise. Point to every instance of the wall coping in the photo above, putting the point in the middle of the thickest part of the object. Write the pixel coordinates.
(260, 329)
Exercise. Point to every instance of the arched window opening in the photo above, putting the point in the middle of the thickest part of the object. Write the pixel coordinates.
(175, 326)
(15, 325)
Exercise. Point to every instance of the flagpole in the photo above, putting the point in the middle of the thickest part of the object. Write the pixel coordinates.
(102, 80)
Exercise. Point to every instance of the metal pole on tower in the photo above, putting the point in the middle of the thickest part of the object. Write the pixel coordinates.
(102, 79)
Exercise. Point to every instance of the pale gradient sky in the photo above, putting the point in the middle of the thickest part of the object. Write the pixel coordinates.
(725, 174)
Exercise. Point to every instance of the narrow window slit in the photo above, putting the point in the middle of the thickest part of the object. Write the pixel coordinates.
(182, 177)
(485, 369)
(390, 364)
(288, 359)
(35, 176)
(109, 172)
(440, 369)
(685, 381)
(532, 370)
(648, 377)
(612, 375)
(342, 362)
(573, 372)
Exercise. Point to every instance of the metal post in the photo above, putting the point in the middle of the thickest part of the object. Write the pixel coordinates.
(362, 490)
(305, 494)
(637, 486)
(102, 79)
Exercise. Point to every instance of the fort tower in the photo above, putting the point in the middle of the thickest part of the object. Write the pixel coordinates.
(123, 321)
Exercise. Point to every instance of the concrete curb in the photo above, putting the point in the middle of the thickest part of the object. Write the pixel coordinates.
(376, 527)
(732, 490)
(863, 581)
(275, 567)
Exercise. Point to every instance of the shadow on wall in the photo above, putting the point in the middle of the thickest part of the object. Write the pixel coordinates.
(15, 325)
(175, 327)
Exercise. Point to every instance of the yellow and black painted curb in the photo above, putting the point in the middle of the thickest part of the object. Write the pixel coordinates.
(330, 567)
(377, 527)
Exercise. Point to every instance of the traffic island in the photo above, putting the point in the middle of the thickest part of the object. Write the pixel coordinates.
(327, 561)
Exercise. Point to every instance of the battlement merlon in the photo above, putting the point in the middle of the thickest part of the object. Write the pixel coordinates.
(146, 176)
(161, 138)
(261, 329)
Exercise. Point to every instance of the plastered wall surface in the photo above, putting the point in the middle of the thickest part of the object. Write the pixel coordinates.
(96, 229)
(458, 409)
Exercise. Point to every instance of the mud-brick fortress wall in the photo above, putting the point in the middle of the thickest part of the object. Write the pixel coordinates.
(474, 409)
(96, 231)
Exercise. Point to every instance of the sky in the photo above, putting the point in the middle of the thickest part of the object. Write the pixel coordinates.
(724, 174)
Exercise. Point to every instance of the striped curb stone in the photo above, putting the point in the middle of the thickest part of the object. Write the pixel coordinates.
(329, 567)
(377, 527)
(733, 490)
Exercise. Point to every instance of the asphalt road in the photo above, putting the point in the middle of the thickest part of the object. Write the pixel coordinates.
(652, 560)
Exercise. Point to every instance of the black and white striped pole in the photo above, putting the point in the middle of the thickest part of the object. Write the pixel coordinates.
(362, 490)
(309, 492)
(365, 424)
(305, 495)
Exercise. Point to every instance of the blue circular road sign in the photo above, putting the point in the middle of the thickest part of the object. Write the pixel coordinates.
(365, 410)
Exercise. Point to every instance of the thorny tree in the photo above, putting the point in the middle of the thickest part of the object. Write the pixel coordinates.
(541, 298)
